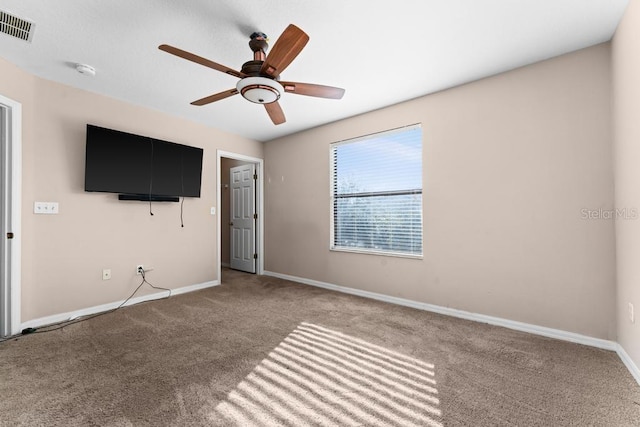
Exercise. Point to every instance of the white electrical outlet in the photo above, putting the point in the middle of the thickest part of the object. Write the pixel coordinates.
(106, 274)
(139, 269)
(631, 314)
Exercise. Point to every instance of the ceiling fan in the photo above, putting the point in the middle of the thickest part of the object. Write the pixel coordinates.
(260, 78)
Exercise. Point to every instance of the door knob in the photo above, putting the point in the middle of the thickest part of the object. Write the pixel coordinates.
(230, 223)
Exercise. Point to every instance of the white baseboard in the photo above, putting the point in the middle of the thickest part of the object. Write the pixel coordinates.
(63, 317)
(498, 321)
(632, 367)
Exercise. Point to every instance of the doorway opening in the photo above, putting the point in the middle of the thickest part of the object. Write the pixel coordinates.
(240, 240)
(10, 236)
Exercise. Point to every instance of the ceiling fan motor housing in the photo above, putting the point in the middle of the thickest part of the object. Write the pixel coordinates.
(252, 68)
(260, 90)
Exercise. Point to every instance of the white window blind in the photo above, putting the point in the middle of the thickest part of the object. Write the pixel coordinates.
(376, 193)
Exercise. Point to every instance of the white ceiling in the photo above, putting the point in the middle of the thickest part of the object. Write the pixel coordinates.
(381, 52)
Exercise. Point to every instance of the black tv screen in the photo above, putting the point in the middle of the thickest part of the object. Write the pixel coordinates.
(120, 162)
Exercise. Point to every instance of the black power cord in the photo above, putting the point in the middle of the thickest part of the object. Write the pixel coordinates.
(181, 212)
(56, 326)
(151, 180)
(182, 187)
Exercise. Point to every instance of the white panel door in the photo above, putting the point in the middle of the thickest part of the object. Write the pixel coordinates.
(243, 220)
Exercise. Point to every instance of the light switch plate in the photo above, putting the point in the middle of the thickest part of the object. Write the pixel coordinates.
(49, 208)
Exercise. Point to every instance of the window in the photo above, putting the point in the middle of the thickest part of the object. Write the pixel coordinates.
(376, 193)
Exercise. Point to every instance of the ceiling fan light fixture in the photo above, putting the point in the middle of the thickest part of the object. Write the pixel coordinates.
(260, 90)
(259, 77)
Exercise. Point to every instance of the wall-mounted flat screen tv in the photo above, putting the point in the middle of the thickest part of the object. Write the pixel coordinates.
(139, 167)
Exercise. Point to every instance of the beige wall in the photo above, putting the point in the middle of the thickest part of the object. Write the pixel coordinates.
(510, 162)
(63, 255)
(626, 131)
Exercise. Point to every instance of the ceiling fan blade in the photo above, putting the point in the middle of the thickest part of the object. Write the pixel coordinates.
(275, 112)
(200, 60)
(309, 89)
(215, 97)
(285, 50)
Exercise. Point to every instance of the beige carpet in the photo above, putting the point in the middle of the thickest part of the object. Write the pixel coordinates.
(259, 351)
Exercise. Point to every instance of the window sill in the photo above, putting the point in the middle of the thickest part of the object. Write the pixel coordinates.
(374, 252)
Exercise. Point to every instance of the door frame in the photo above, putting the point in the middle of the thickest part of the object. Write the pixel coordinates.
(259, 163)
(11, 146)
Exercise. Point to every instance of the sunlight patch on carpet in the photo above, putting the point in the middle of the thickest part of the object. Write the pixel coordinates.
(318, 376)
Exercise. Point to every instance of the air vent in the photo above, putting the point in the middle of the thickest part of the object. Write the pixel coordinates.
(16, 27)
